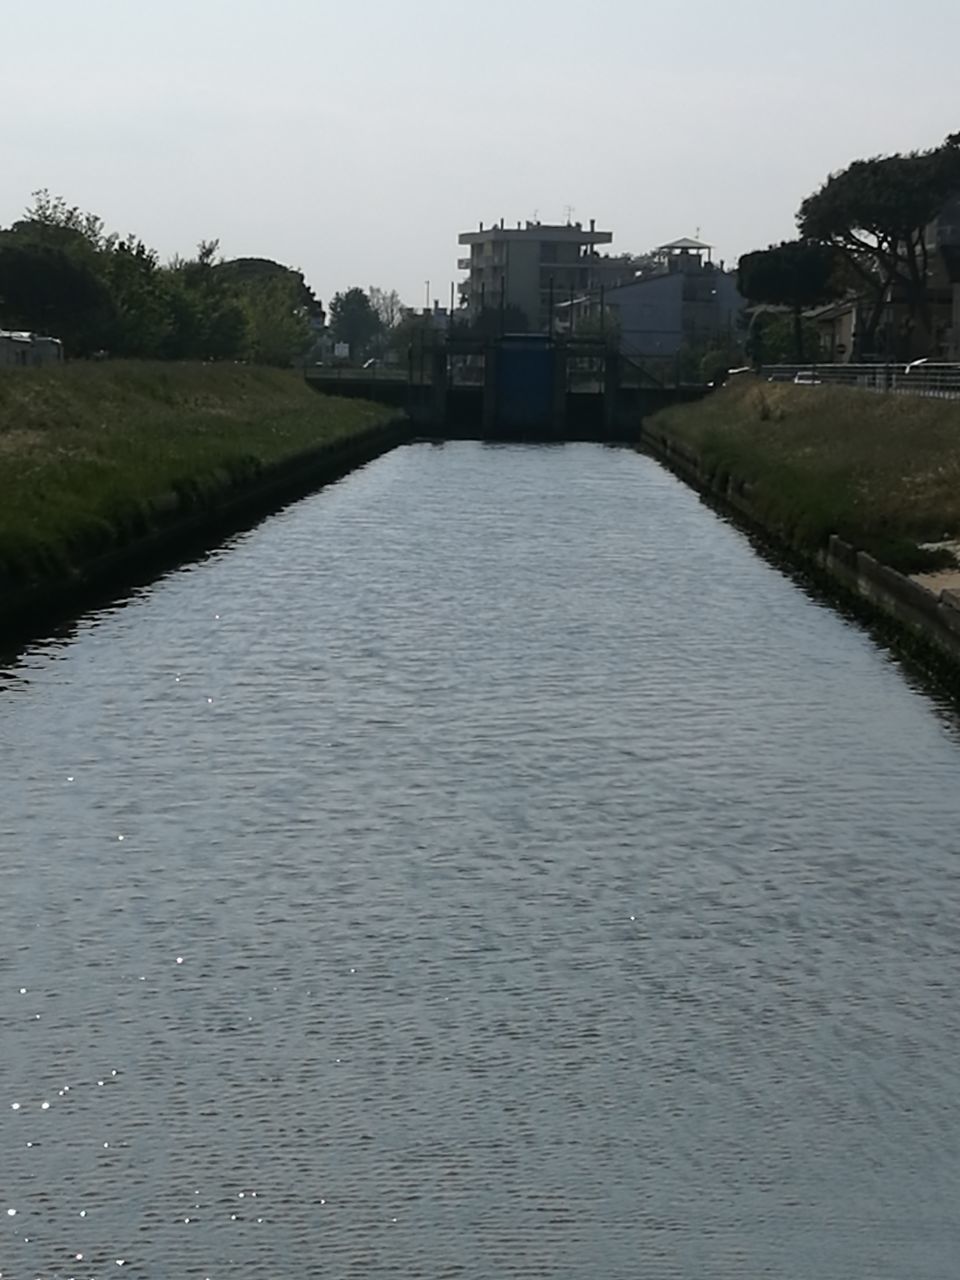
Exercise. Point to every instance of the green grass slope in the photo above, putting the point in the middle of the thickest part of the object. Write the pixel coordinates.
(89, 451)
(881, 471)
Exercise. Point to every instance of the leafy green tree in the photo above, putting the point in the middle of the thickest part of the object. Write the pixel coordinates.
(62, 273)
(184, 337)
(211, 321)
(251, 273)
(412, 329)
(279, 329)
(875, 213)
(279, 305)
(226, 331)
(606, 326)
(772, 338)
(797, 274)
(50, 220)
(494, 321)
(354, 321)
(142, 315)
(717, 361)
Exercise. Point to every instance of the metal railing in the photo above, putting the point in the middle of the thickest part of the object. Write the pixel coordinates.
(357, 373)
(919, 378)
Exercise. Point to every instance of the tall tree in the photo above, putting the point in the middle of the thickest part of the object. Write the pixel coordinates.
(142, 315)
(246, 272)
(211, 320)
(62, 273)
(387, 305)
(876, 212)
(491, 322)
(353, 320)
(52, 221)
(797, 274)
(279, 327)
(279, 306)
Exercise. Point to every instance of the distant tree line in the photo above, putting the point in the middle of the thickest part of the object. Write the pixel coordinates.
(862, 232)
(61, 273)
(374, 322)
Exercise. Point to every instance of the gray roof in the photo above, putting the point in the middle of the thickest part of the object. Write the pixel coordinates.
(685, 243)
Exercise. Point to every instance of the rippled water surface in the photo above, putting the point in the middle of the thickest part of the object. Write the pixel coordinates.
(488, 867)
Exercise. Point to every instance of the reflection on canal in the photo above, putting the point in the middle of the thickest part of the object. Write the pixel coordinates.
(487, 867)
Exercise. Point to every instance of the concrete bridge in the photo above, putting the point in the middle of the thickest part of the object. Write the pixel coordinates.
(514, 387)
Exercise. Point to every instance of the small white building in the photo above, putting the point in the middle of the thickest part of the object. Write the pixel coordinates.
(20, 350)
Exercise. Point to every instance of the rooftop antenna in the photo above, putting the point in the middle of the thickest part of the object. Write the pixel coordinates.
(569, 210)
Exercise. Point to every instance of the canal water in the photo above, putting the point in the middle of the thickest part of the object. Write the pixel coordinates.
(487, 867)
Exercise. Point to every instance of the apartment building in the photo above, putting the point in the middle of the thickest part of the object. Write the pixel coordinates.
(528, 267)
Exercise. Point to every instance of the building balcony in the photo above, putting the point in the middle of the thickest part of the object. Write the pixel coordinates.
(463, 264)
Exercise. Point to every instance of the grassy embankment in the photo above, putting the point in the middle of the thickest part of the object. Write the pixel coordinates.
(881, 471)
(93, 457)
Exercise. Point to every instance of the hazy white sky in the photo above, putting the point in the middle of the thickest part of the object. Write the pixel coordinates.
(354, 140)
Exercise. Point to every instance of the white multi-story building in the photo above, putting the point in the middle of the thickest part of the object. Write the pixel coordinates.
(528, 267)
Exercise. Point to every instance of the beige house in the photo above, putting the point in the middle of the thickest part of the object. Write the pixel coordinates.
(838, 326)
(842, 327)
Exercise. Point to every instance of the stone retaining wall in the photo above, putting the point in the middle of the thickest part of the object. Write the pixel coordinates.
(927, 624)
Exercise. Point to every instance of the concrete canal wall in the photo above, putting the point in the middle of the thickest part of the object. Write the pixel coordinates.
(922, 624)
